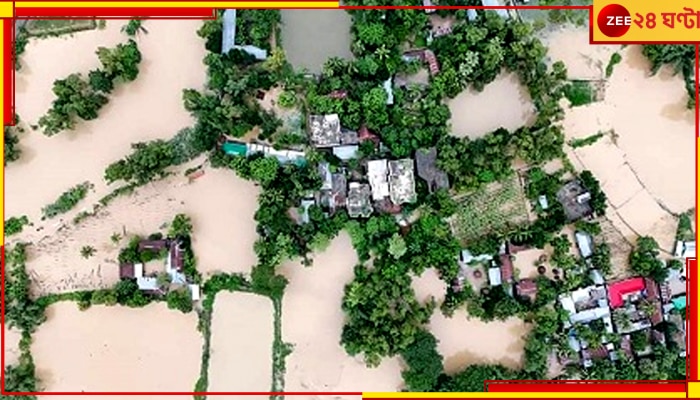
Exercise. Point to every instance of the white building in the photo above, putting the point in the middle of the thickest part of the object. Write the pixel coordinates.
(685, 249)
(495, 276)
(377, 174)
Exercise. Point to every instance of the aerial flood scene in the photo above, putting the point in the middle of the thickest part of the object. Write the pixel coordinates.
(344, 201)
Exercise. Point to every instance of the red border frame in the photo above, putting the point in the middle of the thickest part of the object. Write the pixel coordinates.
(504, 386)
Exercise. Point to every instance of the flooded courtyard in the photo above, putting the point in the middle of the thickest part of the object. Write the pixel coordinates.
(310, 37)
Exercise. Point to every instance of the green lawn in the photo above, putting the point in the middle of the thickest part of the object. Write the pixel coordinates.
(494, 209)
(53, 27)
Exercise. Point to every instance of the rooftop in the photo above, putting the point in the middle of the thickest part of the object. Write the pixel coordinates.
(575, 206)
(377, 176)
(506, 267)
(324, 130)
(346, 152)
(426, 166)
(527, 288)
(618, 290)
(358, 201)
(402, 185)
(584, 242)
(283, 156)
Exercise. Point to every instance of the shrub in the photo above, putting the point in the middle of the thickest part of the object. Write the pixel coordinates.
(15, 225)
(67, 200)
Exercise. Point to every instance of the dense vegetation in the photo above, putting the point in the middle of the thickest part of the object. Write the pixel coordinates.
(644, 259)
(15, 225)
(67, 200)
(12, 150)
(81, 97)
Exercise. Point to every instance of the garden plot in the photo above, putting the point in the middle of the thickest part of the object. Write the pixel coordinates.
(496, 208)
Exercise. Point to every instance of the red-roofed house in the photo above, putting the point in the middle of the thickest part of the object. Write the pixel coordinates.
(506, 268)
(126, 271)
(527, 288)
(155, 245)
(365, 134)
(618, 290)
(176, 258)
(338, 94)
(652, 289)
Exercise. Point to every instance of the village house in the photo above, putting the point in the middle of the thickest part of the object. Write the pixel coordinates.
(228, 37)
(234, 148)
(586, 305)
(283, 156)
(639, 299)
(423, 55)
(334, 188)
(576, 201)
(377, 175)
(527, 288)
(174, 266)
(402, 185)
(684, 250)
(324, 130)
(584, 242)
(426, 166)
(358, 201)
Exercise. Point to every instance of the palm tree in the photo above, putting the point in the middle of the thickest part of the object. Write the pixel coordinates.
(87, 251)
(115, 238)
(134, 27)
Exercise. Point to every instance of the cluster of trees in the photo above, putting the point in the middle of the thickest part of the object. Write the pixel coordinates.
(21, 377)
(598, 199)
(67, 200)
(21, 42)
(644, 260)
(418, 120)
(474, 163)
(15, 225)
(227, 107)
(383, 315)
(258, 27)
(21, 311)
(12, 150)
(146, 162)
(680, 57)
(132, 254)
(134, 27)
(81, 97)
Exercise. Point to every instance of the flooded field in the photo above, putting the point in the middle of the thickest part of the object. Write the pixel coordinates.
(148, 108)
(12, 338)
(644, 120)
(504, 103)
(312, 321)
(241, 343)
(220, 204)
(117, 349)
(464, 341)
(310, 37)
